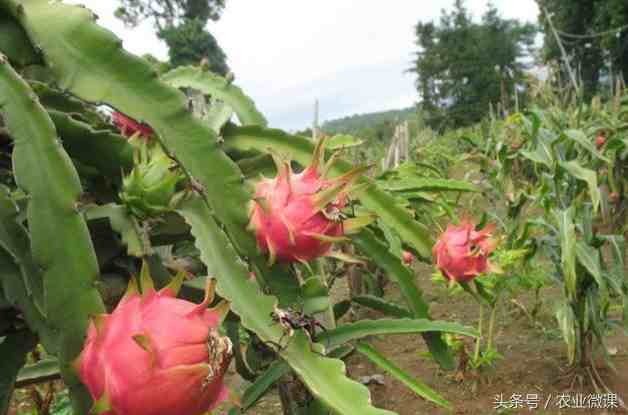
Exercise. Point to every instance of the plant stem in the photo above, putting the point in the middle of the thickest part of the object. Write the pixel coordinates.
(478, 342)
(491, 326)
(330, 319)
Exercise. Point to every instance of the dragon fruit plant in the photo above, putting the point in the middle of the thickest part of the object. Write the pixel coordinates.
(461, 254)
(87, 202)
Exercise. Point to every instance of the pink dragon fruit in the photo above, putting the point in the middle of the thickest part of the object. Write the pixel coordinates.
(129, 127)
(461, 252)
(155, 355)
(407, 257)
(295, 216)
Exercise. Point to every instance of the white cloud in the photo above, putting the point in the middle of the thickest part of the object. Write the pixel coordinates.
(351, 54)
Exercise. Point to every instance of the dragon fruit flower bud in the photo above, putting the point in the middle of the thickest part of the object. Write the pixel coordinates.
(155, 355)
(461, 253)
(296, 216)
(129, 127)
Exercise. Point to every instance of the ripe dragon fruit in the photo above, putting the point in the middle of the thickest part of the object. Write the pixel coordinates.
(129, 127)
(296, 216)
(461, 253)
(156, 355)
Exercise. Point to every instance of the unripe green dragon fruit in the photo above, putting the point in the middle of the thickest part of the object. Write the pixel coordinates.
(149, 188)
(156, 355)
(297, 216)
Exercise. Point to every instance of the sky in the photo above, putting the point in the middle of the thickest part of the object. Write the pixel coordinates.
(351, 55)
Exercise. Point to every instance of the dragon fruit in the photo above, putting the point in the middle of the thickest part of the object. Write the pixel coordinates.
(407, 257)
(296, 216)
(461, 253)
(155, 355)
(129, 127)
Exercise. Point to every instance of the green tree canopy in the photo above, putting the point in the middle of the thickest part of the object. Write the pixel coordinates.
(586, 29)
(166, 13)
(182, 25)
(462, 66)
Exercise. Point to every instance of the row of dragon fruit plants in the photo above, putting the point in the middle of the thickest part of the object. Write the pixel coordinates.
(250, 227)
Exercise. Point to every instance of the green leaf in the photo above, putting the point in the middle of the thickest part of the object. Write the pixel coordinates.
(428, 185)
(16, 280)
(366, 242)
(363, 328)
(341, 308)
(219, 88)
(589, 257)
(542, 152)
(580, 137)
(416, 386)
(589, 176)
(44, 171)
(15, 44)
(315, 296)
(342, 141)
(41, 371)
(258, 389)
(567, 322)
(123, 223)
(108, 152)
(324, 377)
(567, 237)
(387, 307)
(13, 350)
(373, 198)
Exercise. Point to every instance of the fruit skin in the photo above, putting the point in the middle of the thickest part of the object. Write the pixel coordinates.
(129, 127)
(600, 140)
(407, 257)
(155, 355)
(613, 197)
(295, 215)
(461, 253)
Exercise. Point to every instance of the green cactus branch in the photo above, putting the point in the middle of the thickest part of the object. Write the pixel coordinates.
(300, 149)
(108, 152)
(325, 377)
(217, 87)
(60, 241)
(16, 249)
(90, 62)
(14, 43)
(367, 243)
(13, 350)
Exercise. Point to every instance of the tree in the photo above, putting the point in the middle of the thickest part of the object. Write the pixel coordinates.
(585, 28)
(189, 43)
(182, 25)
(166, 13)
(462, 67)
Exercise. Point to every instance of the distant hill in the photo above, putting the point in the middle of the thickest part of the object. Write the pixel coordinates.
(361, 122)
